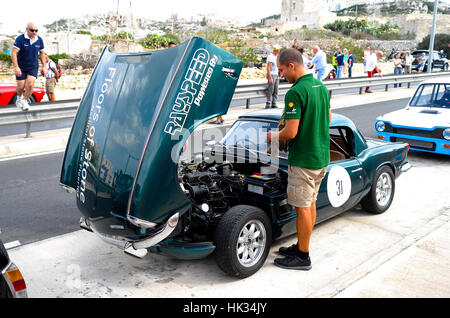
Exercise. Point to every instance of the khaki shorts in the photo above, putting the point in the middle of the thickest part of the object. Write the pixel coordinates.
(50, 84)
(303, 185)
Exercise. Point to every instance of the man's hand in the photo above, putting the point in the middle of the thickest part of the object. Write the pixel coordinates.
(17, 72)
(44, 71)
(270, 80)
(269, 136)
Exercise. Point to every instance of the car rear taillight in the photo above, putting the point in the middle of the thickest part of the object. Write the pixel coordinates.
(13, 274)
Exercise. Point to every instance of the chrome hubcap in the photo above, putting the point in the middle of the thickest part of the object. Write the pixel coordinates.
(251, 243)
(384, 189)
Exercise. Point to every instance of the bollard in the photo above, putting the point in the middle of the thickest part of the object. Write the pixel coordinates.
(247, 103)
(386, 88)
(28, 132)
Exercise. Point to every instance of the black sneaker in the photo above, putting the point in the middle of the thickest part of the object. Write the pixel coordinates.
(289, 251)
(294, 262)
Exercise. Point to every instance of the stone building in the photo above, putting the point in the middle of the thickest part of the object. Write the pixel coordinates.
(301, 13)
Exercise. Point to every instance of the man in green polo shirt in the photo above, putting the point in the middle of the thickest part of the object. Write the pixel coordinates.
(307, 113)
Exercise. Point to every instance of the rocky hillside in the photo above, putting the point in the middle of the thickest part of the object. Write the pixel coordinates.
(394, 8)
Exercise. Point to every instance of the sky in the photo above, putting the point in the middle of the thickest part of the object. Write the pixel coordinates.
(43, 12)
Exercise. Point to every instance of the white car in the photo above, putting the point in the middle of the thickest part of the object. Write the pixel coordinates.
(425, 122)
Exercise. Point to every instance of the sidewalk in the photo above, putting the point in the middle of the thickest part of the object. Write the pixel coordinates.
(55, 140)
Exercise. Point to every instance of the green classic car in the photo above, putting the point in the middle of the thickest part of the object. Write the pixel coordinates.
(123, 162)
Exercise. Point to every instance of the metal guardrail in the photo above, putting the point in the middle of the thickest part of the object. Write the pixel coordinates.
(41, 112)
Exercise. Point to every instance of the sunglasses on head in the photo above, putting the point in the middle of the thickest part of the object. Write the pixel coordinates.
(33, 30)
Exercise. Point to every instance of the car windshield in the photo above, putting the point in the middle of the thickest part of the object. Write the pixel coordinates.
(432, 95)
(250, 134)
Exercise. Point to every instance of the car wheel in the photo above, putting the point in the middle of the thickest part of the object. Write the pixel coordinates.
(4, 289)
(380, 197)
(445, 68)
(242, 239)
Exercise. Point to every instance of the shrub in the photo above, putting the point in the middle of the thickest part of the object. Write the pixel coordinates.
(56, 57)
(5, 57)
(441, 42)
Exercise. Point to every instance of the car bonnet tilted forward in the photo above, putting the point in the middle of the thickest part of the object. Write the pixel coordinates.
(133, 120)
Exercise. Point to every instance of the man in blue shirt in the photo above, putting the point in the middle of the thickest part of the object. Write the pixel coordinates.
(24, 57)
(351, 61)
(340, 63)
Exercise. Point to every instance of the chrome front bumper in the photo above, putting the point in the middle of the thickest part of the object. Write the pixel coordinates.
(132, 246)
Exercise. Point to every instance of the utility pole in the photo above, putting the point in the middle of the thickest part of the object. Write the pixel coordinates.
(433, 32)
(68, 35)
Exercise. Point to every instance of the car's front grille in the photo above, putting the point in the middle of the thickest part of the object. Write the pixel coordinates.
(435, 133)
(418, 144)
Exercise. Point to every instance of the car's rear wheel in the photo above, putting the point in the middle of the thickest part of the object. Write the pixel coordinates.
(380, 197)
(445, 68)
(242, 239)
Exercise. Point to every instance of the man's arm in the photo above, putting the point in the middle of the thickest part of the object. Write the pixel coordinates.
(17, 70)
(55, 71)
(42, 56)
(287, 133)
(269, 64)
(329, 112)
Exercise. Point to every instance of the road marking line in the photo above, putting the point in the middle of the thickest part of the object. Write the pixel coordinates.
(11, 245)
(31, 155)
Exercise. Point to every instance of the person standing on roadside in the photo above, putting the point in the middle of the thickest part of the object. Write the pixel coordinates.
(272, 78)
(372, 68)
(340, 63)
(422, 61)
(351, 61)
(398, 68)
(408, 62)
(51, 78)
(367, 53)
(24, 57)
(319, 62)
(307, 114)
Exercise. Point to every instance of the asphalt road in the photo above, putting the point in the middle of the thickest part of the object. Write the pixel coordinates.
(34, 207)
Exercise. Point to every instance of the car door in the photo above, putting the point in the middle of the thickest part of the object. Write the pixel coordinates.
(340, 189)
(437, 61)
(342, 186)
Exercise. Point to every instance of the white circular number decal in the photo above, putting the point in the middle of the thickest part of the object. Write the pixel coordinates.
(339, 186)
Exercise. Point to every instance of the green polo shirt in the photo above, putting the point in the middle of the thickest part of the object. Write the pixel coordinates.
(309, 100)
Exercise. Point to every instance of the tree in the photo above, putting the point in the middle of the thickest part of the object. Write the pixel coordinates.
(441, 42)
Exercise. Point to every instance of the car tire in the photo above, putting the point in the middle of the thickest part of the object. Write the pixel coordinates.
(445, 68)
(238, 253)
(331, 75)
(381, 194)
(31, 100)
(4, 289)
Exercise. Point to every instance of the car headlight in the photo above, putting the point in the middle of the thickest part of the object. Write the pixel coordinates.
(380, 126)
(446, 134)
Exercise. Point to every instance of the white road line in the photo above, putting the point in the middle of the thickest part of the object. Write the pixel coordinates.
(31, 155)
(11, 245)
